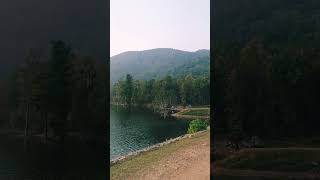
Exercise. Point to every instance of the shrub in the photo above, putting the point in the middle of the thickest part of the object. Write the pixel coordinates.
(197, 125)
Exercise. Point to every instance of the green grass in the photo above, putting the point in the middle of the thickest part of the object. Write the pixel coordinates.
(277, 159)
(201, 106)
(128, 167)
(197, 112)
(197, 125)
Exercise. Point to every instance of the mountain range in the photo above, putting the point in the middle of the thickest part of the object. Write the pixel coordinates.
(156, 63)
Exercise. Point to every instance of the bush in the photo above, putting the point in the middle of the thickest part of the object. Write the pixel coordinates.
(197, 125)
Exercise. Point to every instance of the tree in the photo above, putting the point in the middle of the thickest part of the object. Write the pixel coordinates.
(127, 90)
(60, 85)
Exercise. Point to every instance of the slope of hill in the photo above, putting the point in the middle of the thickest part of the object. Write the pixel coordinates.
(156, 63)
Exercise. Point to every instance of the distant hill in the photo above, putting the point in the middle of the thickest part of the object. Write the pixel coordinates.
(156, 63)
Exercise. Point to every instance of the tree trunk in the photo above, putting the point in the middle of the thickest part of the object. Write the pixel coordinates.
(26, 133)
(12, 119)
(45, 126)
(26, 127)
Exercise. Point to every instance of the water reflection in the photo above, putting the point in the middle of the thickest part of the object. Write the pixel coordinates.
(139, 128)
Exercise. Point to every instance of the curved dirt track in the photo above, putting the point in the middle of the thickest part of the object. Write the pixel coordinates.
(186, 163)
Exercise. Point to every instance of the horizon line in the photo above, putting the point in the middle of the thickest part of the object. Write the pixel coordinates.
(208, 49)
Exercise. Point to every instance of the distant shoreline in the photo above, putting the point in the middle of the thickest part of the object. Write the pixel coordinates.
(180, 110)
(181, 115)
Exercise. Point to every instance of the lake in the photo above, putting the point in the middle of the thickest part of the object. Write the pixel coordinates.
(139, 128)
(72, 160)
(129, 131)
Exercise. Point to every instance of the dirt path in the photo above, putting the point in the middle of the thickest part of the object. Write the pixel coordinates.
(190, 160)
(265, 174)
(190, 163)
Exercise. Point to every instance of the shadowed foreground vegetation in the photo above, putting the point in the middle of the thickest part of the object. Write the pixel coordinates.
(266, 84)
(56, 93)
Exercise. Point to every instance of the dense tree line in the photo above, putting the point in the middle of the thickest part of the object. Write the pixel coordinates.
(266, 90)
(59, 92)
(168, 91)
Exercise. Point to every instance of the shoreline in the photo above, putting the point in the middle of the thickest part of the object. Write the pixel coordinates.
(178, 115)
(180, 159)
(154, 147)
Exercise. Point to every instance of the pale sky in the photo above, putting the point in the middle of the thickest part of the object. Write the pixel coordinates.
(147, 24)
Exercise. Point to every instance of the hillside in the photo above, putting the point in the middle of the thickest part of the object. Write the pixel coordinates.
(156, 63)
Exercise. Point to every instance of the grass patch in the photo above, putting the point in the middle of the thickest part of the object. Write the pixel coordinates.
(275, 159)
(197, 125)
(201, 106)
(197, 112)
(128, 167)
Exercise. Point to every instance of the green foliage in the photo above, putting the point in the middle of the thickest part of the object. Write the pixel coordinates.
(65, 92)
(266, 66)
(128, 89)
(197, 112)
(158, 63)
(165, 91)
(279, 23)
(197, 125)
(266, 90)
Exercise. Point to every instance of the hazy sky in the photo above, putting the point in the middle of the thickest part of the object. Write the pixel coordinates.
(147, 24)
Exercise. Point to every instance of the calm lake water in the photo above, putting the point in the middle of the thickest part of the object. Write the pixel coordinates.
(39, 161)
(139, 128)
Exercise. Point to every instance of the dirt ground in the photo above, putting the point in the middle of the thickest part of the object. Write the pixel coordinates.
(221, 172)
(190, 163)
(186, 163)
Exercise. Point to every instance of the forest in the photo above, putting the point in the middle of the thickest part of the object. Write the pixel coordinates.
(56, 92)
(267, 91)
(266, 67)
(278, 22)
(163, 92)
(158, 63)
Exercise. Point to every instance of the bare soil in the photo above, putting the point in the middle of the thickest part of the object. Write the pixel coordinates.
(188, 159)
(279, 162)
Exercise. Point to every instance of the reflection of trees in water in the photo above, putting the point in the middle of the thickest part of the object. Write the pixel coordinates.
(144, 124)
